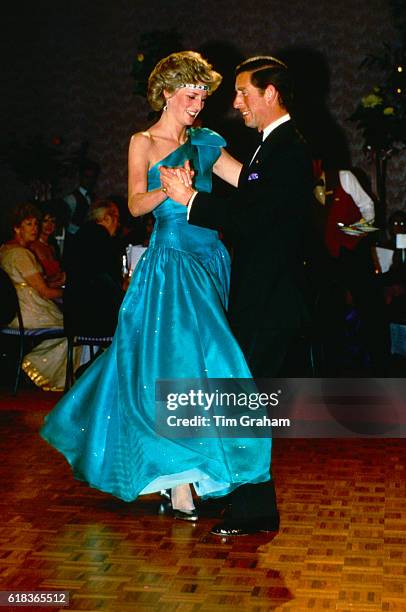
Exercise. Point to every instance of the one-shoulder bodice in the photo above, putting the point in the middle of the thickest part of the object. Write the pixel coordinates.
(171, 229)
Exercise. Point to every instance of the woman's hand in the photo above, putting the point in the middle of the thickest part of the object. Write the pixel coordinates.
(37, 282)
(58, 280)
(177, 183)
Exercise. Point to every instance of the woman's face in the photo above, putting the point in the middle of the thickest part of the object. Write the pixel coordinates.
(185, 104)
(27, 231)
(48, 225)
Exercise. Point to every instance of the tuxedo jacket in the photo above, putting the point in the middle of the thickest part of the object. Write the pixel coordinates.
(93, 293)
(266, 222)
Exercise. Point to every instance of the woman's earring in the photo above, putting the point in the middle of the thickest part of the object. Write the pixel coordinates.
(165, 107)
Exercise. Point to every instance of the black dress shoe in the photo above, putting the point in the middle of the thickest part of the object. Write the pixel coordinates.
(185, 515)
(240, 528)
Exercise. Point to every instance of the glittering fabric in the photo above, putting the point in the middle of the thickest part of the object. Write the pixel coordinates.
(172, 324)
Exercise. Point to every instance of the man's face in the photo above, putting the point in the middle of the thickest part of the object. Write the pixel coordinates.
(251, 103)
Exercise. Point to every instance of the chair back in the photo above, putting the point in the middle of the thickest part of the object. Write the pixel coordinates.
(9, 306)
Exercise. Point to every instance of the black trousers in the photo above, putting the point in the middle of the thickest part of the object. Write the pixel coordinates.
(278, 353)
(273, 355)
(254, 501)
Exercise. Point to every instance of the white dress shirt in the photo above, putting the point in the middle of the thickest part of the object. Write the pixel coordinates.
(351, 185)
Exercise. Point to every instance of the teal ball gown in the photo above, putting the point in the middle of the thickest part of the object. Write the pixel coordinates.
(172, 325)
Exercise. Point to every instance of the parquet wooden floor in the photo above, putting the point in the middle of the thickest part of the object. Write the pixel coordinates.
(341, 546)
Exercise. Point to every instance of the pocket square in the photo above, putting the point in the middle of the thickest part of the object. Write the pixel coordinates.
(253, 176)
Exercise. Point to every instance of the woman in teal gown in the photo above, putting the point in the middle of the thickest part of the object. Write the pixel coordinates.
(172, 323)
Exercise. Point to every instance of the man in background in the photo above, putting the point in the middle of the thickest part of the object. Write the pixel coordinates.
(80, 199)
(94, 292)
(349, 276)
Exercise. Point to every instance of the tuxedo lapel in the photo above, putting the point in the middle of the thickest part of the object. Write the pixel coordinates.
(248, 161)
(283, 133)
(249, 169)
(277, 136)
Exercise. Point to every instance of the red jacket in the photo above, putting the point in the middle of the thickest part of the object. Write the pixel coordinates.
(341, 209)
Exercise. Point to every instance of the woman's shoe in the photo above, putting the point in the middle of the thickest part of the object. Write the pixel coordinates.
(165, 507)
(185, 515)
(166, 494)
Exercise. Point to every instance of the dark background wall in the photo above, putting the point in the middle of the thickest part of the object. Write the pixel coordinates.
(67, 71)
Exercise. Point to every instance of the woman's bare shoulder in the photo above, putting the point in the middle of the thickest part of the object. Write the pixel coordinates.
(141, 140)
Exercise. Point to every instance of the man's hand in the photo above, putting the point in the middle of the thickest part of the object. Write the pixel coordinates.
(177, 183)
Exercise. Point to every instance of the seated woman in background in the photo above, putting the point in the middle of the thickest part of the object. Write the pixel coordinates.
(45, 251)
(45, 365)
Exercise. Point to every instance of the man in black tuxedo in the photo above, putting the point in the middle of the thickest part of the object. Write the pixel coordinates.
(94, 292)
(267, 305)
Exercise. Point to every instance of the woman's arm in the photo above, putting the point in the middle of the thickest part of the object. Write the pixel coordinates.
(227, 168)
(37, 282)
(140, 201)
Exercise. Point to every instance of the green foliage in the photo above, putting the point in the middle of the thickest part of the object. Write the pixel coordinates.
(381, 113)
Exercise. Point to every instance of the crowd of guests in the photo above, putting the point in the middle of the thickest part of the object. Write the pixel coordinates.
(64, 279)
(66, 262)
(38, 297)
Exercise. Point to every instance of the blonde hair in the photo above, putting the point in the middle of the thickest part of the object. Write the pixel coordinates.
(179, 69)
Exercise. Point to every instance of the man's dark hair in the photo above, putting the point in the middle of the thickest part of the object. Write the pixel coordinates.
(267, 70)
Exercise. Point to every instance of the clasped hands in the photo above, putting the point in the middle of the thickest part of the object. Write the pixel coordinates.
(177, 183)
